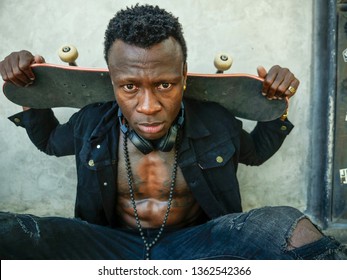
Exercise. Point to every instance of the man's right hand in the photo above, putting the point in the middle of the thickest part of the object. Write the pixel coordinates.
(15, 68)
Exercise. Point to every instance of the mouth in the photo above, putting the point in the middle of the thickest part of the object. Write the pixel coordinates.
(151, 128)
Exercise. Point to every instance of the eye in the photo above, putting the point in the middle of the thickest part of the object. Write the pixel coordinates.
(130, 88)
(165, 86)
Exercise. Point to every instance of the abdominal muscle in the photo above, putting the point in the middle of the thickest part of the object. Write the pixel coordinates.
(151, 187)
(151, 213)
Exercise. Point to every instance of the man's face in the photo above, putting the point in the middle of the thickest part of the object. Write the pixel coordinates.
(148, 85)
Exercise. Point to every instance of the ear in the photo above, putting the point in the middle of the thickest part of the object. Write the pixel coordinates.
(185, 73)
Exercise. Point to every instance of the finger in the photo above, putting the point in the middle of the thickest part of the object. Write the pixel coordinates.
(3, 71)
(24, 72)
(15, 68)
(261, 71)
(11, 75)
(39, 59)
(21, 75)
(24, 67)
(262, 74)
(283, 87)
(27, 70)
(292, 89)
(269, 88)
(18, 78)
(280, 84)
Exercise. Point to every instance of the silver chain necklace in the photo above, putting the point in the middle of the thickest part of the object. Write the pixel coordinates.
(149, 245)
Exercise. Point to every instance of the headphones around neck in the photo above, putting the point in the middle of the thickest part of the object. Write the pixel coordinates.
(165, 144)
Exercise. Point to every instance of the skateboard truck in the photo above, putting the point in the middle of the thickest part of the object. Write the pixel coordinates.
(222, 62)
(69, 54)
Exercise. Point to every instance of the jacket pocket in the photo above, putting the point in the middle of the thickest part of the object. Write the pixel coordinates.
(217, 156)
(95, 155)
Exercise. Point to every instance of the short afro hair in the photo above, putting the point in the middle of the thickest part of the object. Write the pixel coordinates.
(143, 26)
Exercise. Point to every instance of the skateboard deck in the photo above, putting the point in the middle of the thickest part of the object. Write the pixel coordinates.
(69, 86)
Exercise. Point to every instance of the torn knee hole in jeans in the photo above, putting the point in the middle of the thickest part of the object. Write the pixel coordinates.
(302, 233)
(29, 226)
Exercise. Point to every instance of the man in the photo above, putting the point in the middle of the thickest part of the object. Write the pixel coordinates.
(156, 171)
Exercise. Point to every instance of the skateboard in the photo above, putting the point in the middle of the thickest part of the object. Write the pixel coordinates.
(73, 86)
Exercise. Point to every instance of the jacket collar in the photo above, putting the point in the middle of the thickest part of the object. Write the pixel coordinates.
(108, 120)
(194, 127)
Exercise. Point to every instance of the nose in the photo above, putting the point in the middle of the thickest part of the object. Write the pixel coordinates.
(148, 103)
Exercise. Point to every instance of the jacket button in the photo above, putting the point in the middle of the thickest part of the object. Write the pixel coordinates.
(283, 128)
(91, 163)
(16, 120)
(219, 159)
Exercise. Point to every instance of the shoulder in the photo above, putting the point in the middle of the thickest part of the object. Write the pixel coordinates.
(212, 114)
(205, 107)
(96, 108)
(95, 111)
(91, 115)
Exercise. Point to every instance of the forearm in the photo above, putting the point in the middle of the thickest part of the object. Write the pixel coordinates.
(264, 141)
(40, 125)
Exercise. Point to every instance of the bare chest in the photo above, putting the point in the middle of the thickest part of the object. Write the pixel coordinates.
(152, 178)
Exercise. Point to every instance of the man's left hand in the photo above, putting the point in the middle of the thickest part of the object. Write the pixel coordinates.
(279, 83)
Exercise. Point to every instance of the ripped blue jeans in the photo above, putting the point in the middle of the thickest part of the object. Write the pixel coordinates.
(259, 234)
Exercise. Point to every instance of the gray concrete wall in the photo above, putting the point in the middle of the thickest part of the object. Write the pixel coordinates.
(264, 32)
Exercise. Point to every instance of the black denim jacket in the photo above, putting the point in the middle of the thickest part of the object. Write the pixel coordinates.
(213, 143)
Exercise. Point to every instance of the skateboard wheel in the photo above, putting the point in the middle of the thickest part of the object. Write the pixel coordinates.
(223, 62)
(68, 53)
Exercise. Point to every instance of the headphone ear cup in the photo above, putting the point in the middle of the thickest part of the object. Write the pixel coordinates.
(142, 144)
(166, 144)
